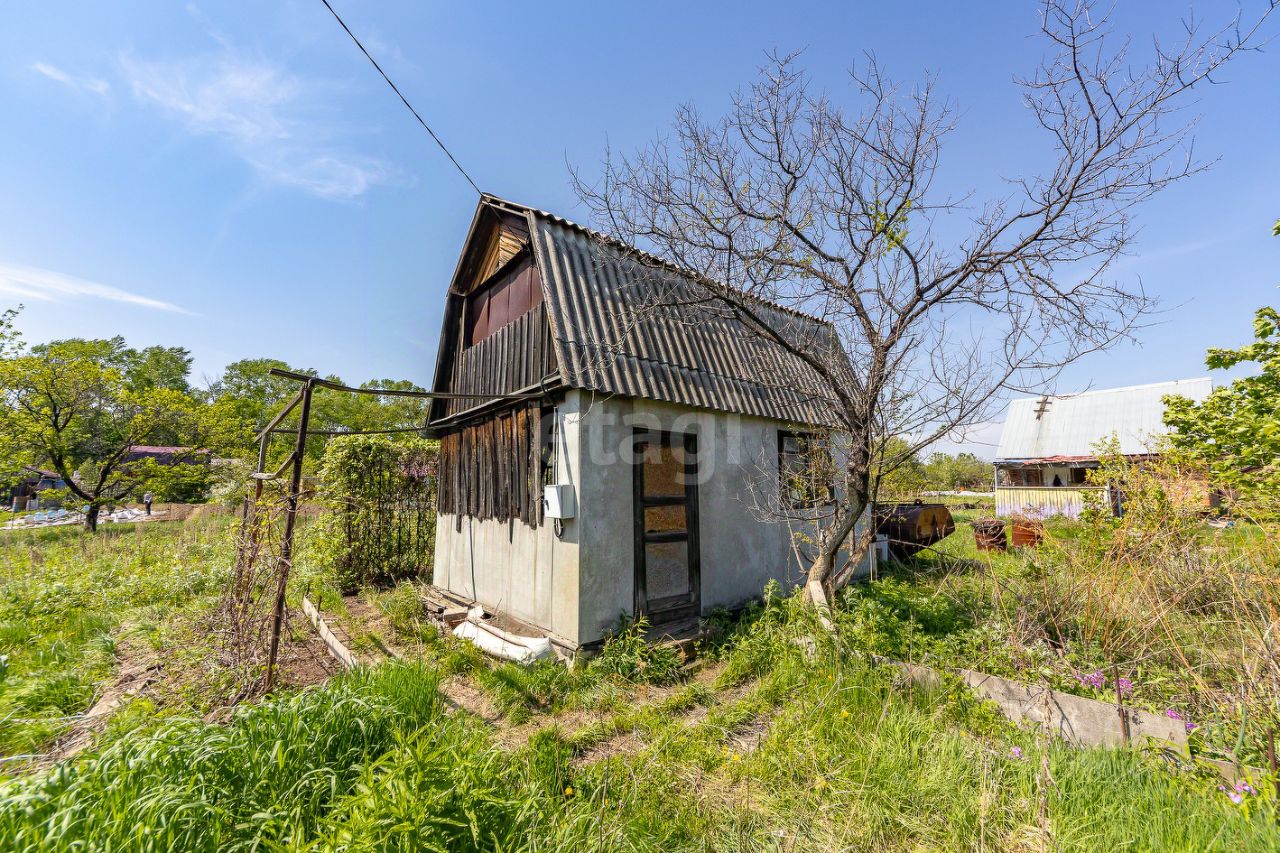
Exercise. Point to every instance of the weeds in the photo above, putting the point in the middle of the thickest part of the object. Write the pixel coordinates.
(66, 597)
(1180, 623)
(267, 777)
(801, 742)
(628, 657)
(816, 749)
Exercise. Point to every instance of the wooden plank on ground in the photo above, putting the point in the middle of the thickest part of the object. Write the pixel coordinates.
(331, 642)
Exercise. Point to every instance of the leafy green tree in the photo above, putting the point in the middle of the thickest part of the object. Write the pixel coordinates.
(159, 367)
(78, 407)
(389, 412)
(249, 391)
(944, 472)
(248, 388)
(900, 473)
(1235, 431)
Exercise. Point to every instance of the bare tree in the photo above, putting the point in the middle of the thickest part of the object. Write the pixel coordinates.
(940, 305)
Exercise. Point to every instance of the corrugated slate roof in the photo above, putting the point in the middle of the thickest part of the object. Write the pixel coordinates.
(1072, 424)
(624, 323)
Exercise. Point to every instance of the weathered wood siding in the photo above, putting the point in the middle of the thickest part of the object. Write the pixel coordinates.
(516, 357)
(493, 468)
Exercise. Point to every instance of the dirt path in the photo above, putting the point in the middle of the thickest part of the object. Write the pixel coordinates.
(461, 695)
(366, 630)
(139, 668)
(597, 733)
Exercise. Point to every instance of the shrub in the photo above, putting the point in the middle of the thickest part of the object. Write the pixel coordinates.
(381, 522)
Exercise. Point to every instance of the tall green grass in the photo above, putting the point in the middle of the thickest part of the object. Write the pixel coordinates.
(1185, 615)
(65, 598)
(268, 777)
(814, 749)
(803, 745)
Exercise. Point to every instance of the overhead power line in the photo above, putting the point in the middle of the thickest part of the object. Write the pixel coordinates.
(403, 99)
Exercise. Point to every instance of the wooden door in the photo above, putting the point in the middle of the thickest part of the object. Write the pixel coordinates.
(666, 526)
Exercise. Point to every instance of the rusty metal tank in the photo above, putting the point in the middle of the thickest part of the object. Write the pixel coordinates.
(989, 535)
(1027, 533)
(913, 526)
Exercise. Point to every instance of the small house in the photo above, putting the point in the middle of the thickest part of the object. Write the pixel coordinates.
(26, 492)
(612, 444)
(167, 455)
(1049, 443)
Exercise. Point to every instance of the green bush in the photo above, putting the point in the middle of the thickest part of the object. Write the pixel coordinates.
(381, 521)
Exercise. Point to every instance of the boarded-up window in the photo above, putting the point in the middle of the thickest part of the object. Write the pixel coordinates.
(805, 469)
(506, 298)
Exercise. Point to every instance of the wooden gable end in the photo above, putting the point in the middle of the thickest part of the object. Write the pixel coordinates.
(496, 338)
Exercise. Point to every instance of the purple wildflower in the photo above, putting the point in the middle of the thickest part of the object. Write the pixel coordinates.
(1016, 752)
(1124, 686)
(1173, 715)
(1191, 727)
(1238, 792)
(1096, 680)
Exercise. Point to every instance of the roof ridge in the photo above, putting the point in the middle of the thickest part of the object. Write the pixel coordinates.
(1072, 396)
(489, 198)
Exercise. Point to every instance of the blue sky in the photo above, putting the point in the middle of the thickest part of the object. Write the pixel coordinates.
(235, 178)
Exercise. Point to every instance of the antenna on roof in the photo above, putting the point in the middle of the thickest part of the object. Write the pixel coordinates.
(1042, 406)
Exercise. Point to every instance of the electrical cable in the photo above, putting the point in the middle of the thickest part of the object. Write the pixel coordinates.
(403, 99)
(294, 431)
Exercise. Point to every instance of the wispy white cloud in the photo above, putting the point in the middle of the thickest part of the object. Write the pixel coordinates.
(274, 121)
(42, 285)
(95, 85)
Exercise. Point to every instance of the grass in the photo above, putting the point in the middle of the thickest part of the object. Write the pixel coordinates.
(269, 776)
(787, 739)
(1183, 615)
(815, 749)
(68, 601)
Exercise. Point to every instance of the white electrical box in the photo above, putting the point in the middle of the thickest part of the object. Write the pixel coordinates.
(558, 502)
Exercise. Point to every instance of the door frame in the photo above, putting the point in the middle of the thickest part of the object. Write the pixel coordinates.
(684, 606)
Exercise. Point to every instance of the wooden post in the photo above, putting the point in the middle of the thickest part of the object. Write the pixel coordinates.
(1124, 716)
(1271, 757)
(291, 517)
(251, 503)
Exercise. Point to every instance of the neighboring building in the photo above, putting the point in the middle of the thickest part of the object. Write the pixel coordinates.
(665, 432)
(1047, 446)
(25, 494)
(164, 455)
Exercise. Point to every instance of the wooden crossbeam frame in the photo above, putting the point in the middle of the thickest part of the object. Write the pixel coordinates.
(293, 463)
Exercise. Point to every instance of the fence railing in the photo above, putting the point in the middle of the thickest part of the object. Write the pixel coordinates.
(1045, 500)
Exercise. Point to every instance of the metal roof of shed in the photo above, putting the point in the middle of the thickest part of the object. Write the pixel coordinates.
(1072, 424)
(628, 323)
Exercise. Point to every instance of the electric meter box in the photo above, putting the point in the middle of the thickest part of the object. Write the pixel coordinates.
(558, 502)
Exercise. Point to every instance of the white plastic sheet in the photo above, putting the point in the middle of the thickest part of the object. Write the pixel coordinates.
(502, 644)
